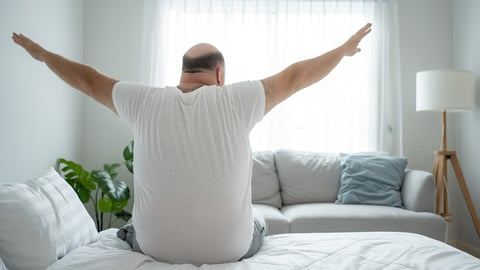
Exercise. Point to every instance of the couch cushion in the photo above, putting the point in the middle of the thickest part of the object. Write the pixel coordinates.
(330, 217)
(276, 222)
(41, 220)
(265, 186)
(307, 177)
(371, 179)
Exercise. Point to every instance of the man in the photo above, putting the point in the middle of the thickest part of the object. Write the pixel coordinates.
(192, 156)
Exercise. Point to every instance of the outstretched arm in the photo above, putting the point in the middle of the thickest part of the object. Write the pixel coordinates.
(82, 77)
(305, 73)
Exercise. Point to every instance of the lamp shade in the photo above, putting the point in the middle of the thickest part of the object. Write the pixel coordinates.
(445, 90)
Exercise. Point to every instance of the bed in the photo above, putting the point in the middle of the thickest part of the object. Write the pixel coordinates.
(372, 250)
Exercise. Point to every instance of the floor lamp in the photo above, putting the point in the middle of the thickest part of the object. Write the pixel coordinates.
(447, 90)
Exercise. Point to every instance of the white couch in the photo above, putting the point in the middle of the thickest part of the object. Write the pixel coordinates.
(297, 193)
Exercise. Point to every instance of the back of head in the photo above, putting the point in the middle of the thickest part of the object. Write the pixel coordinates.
(202, 57)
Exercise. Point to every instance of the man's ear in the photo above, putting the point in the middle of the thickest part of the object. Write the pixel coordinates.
(220, 74)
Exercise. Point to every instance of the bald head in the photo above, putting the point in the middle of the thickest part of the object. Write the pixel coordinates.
(202, 56)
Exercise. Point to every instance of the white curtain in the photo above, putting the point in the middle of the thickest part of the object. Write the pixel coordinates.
(356, 108)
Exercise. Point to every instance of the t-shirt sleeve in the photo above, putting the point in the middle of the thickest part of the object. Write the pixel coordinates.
(128, 99)
(250, 99)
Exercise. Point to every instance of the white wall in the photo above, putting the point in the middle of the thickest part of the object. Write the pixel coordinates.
(113, 31)
(466, 125)
(426, 43)
(40, 117)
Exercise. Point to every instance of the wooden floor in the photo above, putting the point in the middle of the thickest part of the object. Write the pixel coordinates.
(465, 247)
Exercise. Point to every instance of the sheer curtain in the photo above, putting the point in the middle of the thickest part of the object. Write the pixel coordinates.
(355, 108)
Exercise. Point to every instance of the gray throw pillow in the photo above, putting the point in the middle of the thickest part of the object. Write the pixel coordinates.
(371, 179)
(265, 186)
(307, 177)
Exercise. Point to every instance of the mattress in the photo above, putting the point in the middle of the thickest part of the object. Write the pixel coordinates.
(369, 251)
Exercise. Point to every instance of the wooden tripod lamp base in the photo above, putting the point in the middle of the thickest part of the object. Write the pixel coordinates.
(440, 173)
(447, 90)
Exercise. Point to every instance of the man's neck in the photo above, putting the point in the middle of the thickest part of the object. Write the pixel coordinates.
(189, 87)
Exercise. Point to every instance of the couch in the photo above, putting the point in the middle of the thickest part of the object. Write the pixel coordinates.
(305, 192)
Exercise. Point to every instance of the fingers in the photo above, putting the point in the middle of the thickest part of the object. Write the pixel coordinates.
(364, 31)
(351, 45)
(35, 50)
(15, 37)
(367, 27)
(19, 38)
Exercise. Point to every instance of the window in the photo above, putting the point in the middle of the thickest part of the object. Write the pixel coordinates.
(342, 113)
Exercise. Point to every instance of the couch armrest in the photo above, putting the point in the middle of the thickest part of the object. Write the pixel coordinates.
(418, 191)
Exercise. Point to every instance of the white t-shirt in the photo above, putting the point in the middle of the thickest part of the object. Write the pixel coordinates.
(192, 168)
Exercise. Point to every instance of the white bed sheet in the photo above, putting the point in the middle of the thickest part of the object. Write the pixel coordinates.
(369, 251)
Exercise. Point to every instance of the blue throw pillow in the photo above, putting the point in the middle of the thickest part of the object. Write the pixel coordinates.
(368, 179)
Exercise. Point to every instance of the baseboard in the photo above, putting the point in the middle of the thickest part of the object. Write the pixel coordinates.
(465, 247)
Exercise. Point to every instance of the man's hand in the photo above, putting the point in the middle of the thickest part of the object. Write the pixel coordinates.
(350, 47)
(35, 50)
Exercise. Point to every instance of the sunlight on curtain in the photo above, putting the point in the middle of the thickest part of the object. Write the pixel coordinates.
(355, 108)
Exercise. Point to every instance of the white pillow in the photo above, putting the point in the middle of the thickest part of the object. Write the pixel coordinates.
(41, 220)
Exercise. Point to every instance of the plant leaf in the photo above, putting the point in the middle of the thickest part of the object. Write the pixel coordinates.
(128, 156)
(116, 190)
(84, 195)
(111, 169)
(118, 206)
(105, 204)
(129, 165)
(77, 177)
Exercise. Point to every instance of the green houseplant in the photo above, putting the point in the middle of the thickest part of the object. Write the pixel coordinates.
(107, 194)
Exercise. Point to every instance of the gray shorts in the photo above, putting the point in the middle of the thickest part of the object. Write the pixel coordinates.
(127, 234)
